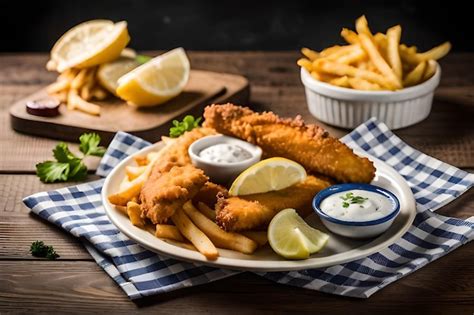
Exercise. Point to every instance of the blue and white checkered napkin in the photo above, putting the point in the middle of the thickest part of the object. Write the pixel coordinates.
(140, 272)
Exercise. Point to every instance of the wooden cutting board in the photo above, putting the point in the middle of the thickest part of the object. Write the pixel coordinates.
(203, 88)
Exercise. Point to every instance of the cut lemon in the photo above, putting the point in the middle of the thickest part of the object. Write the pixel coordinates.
(271, 174)
(109, 73)
(291, 237)
(156, 81)
(89, 44)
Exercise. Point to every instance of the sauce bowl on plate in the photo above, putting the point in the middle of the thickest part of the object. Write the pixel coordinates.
(218, 169)
(356, 210)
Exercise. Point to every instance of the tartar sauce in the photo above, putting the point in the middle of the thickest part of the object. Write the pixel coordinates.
(225, 153)
(357, 205)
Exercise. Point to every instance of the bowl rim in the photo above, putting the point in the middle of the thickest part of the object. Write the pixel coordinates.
(351, 94)
(323, 194)
(255, 151)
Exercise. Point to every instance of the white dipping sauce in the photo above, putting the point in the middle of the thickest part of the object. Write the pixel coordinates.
(225, 153)
(361, 206)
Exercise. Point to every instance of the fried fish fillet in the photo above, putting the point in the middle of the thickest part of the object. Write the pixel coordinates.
(173, 180)
(256, 211)
(166, 192)
(309, 145)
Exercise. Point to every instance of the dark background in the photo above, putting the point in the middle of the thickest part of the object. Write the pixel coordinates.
(235, 25)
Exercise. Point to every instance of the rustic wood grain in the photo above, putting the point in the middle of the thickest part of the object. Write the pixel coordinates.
(82, 287)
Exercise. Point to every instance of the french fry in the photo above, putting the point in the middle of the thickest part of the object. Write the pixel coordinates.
(141, 160)
(362, 27)
(80, 79)
(207, 211)
(435, 53)
(194, 235)
(61, 96)
(134, 213)
(379, 61)
(132, 188)
(68, 75)
(76, 102)
(341, 81)
(99, 93)
(309, 53)
(381, 40)
(361, 84)
(342, 51)
(170, 232)
(393, 55)
(415, 76)
(260, 237)
(323, 77)
(305, 63)
(342, 70)
(58, 86)
(218, 236)
(86, 89)
(122, 209)
(350, 36)
(357, 54)
(430, 70)
(134, 171)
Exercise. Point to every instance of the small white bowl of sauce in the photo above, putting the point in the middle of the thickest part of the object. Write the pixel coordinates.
(223, 158)
(356, 210)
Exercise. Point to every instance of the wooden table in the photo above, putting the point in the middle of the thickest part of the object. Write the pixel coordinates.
(74, 283)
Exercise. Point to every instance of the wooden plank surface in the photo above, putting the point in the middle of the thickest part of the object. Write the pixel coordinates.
(75, 284)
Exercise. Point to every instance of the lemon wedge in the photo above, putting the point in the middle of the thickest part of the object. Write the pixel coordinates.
(291, 237)
(109, 73)
(89, 44)
(267, 175)
(156, 81)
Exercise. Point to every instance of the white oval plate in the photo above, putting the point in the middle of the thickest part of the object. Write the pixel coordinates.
(338, 250)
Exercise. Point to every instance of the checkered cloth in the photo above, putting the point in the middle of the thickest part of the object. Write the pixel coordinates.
(140, 272)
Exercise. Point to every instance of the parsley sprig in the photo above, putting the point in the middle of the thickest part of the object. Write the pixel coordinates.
(68, 166)
(141, 59)
(180, 127)
(349, 199)
(39, 249)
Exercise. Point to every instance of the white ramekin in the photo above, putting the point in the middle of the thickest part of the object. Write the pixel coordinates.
(222, 173)
(349, 108)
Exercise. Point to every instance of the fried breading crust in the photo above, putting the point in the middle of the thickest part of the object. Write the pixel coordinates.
(256, 211)
(309, 145)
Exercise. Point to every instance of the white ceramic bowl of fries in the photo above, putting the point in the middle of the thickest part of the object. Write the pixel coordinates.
(374, 75)
(348, 108)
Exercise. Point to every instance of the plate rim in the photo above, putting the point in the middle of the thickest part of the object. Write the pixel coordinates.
(169, 250)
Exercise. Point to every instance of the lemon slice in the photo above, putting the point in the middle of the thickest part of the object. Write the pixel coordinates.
(268, 175)
(291, 237)
(89, 44)
(156, 81)
(109, 73)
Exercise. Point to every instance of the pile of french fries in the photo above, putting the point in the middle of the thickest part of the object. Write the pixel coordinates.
(192, 227)
(372, 62)
(76, 87)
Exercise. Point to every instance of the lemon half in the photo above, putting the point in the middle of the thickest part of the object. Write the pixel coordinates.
(156, 81)
(291, 237)
(89, 44)
(271, 174)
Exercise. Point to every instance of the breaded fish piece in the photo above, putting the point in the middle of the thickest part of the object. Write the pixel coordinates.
(168, 191)
(256, 211)
(208, 194)
(309, 145)
(173, 180)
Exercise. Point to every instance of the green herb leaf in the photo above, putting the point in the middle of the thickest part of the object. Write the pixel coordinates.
(90, 145)
(141, 59)
(67, 165)
(188, 124)
(349, 199)
(62, 154)
(50, 171)
(39, 249)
